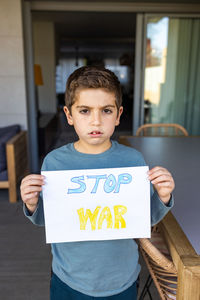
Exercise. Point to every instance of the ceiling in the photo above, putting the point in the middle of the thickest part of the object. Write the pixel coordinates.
(90, 24)
(91, 32)
(94, 32)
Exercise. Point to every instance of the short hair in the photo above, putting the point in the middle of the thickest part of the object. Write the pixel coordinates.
(93, 77)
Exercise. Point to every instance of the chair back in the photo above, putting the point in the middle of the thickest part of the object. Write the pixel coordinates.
(161, 129)
(160, 265)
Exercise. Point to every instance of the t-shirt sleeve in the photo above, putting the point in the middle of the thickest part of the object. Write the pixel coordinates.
(37, 217)
(158, 208)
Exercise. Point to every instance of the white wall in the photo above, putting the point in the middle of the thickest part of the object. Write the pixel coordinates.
(12, 77)
(44, 55)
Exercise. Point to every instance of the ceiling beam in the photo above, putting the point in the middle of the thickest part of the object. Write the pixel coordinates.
(116, 7)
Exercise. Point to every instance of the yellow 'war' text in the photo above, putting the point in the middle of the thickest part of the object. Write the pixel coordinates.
(105, 214)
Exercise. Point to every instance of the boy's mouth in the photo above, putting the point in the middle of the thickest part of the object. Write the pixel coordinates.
(95, 133)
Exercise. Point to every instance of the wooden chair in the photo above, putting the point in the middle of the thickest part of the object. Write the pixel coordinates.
(161, 129)
(161, 268)
(17, 163)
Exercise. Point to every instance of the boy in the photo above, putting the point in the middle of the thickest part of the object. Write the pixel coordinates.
(96, 269)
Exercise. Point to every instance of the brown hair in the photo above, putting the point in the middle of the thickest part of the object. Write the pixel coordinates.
(92, 77)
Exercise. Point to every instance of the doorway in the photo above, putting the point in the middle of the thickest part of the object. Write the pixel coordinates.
(94, 38)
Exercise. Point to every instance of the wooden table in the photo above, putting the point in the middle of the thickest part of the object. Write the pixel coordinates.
(181, 228)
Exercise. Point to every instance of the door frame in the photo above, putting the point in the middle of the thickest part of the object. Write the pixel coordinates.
(141, 9)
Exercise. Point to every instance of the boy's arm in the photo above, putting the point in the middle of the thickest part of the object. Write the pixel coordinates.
(37, 217)
(158, 208)
(161, 196)
(31, 187)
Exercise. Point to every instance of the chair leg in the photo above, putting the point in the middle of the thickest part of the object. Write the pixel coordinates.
(12, 192)
(145, 289)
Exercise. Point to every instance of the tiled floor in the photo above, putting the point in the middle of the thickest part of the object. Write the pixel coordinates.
(24, 256)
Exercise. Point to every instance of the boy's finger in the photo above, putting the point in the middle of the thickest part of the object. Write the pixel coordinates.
(158, 174)
(35, 181)
(160, 171)
(155, 169)
(32, 177)
(161, 178)
(32, 189)
(165, 184)
(33, 196)
(31, 182)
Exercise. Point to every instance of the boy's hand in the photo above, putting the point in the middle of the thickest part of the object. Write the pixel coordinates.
(163, 182)
(30, 188)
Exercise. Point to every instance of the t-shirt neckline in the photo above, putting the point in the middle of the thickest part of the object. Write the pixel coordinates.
(107, 152)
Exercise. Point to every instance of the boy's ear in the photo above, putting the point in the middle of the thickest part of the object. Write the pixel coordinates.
(68, 115)
(119, 115)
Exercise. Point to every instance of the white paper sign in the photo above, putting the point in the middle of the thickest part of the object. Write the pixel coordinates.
(96, 204)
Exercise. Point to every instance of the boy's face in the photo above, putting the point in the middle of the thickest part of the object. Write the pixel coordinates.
(94, 116)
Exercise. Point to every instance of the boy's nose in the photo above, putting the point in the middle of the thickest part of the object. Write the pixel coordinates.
(96, 118)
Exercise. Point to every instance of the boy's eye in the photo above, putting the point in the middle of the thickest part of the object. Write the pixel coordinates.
(107, 111)
(84, 111)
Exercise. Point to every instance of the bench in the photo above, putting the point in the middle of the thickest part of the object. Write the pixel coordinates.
(17, 164)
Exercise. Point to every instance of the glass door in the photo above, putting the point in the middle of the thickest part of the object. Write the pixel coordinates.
(171, 87)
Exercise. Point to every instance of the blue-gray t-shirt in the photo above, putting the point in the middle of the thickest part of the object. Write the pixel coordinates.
(97, 268)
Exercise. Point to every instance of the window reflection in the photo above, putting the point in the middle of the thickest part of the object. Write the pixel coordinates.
(172, 72)
(156, 51)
